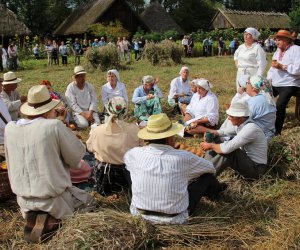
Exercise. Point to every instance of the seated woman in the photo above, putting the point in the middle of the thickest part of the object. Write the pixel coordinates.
(39, 152)
(262, 105)
(203, 110)
(180, 93)
(62, 110)
(240, 96)
(113, 87)
(109, 142)
(147, 99)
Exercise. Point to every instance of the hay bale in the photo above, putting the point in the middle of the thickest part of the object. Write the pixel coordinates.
(107, 229)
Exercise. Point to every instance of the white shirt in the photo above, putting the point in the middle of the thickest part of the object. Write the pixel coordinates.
(81, 99)
(255, 57)
(290, 76)
(108, 92)
(207, 106)
(251, 139)
(12, 103)
(5, 113)
(160, 176)
(185, 41)
(178, 86)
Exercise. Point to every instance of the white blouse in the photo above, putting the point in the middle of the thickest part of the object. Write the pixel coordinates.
(207, 106)
(108, 92)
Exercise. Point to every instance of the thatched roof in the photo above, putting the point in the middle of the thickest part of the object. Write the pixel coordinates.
(9, 24)
(158, 20)
(95, 11)
(243, 19)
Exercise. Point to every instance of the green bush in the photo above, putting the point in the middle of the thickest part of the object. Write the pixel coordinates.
(104, 58)
(163, 53)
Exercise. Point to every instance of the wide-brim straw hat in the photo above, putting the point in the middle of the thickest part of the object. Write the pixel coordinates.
(238, 109)
(283, 33)
(10, 78)
(159, 126)
(79, 70)
(39, 101)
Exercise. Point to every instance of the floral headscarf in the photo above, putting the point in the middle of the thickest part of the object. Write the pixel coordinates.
(264, 86)
(117, 107)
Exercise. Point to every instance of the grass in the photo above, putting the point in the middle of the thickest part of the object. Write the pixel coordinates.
(263, 214)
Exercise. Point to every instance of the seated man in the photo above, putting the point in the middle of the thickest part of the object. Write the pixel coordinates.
(109, 142)
(180, 91)
(10, 95)
(82, 99)
(147, 99)
(246, 152)
(203, 110)
(39, 152)
(167, 183)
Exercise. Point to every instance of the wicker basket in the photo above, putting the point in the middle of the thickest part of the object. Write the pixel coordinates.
(5, 189)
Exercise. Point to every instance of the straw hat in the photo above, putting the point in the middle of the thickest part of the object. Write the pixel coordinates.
(159, 126)
(283, 33)
(39, 101)
(10, 78)
(238, 109)
(79, 70)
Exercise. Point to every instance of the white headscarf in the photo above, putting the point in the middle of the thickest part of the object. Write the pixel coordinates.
(183, 69)
(203, 83)
(254, 32)
(115, 72)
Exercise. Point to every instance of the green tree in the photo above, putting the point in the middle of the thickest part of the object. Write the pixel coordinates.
(191, 15)
(295, 15)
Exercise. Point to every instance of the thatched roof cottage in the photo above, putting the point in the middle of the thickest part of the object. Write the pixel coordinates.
(225, 19)
(158, 20)
(99, 11)
(10, 25)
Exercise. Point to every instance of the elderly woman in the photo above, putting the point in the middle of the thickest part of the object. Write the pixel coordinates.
(109, 142)
(180, 90)
(203, 110)
(250, 57)
(284, 74)
(147, 99)
(40, 150)
(113, 87)
(262, 105)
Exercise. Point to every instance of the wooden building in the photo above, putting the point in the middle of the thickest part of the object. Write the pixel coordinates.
(99, 11)
(10, 25)
(235, 19)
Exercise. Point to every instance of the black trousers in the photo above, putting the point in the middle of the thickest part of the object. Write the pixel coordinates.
(205, 185)
(64, 60)
(284, 95)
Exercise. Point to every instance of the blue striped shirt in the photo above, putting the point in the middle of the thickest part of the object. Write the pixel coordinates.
(160, 176)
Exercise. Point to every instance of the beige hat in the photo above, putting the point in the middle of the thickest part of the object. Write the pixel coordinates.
(159, 126)
(39, 101)
(10, 78)
(238, 109)
(79, 70)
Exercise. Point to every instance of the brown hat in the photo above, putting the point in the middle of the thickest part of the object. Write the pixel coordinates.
(284, 33)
